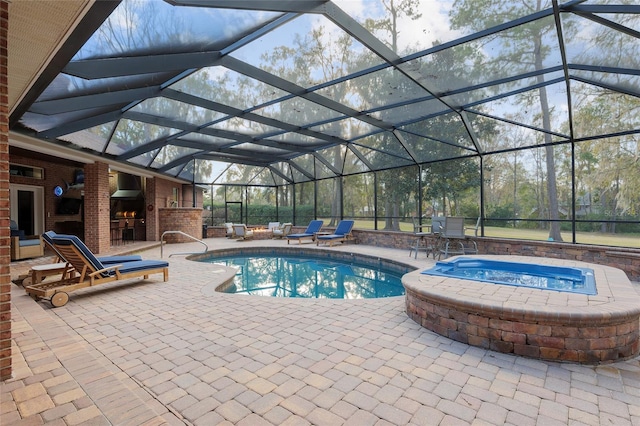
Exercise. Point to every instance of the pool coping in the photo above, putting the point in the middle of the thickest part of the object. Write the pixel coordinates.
(529, 321)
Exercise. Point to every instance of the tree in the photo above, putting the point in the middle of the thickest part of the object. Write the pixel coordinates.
(521, 49)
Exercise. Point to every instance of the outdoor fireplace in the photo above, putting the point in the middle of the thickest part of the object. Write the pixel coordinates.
(128, 208)
(127, 202)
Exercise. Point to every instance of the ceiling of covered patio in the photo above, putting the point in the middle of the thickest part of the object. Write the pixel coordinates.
(280, 92)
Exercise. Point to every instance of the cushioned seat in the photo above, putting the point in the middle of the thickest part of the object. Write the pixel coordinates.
(24, 246)
(340, 235)
(241, 232)
(309, 233)
(29, 243)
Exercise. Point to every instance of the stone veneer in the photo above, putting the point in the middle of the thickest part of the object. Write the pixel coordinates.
(625, 258)
(543, 324)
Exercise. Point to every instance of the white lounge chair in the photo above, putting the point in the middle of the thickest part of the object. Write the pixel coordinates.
(241, 231)
(282, 231)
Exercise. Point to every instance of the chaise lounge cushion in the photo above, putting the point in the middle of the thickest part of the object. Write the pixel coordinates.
(341, 234)
(136, 265)
(105, 260)
(140, 265)
(310, 232)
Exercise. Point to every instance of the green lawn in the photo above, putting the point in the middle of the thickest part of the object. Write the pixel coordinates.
(597, 238)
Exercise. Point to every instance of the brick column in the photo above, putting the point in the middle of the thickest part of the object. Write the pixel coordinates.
(5, 244)
(97, 234)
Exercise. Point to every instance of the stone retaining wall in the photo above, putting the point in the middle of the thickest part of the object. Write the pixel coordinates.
(549, 325)
(626, 259)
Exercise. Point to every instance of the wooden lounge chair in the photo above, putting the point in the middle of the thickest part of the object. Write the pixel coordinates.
(62, 269)
(309, 233)
(90, 271)
(340, 235)
(106, 260)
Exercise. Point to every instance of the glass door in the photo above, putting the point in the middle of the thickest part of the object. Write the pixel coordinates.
(27, 208)
(233, 212)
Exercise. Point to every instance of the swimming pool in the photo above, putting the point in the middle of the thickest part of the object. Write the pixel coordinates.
(545, 277)
(310, 274)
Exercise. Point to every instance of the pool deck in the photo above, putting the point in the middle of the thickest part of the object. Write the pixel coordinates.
(152, 352)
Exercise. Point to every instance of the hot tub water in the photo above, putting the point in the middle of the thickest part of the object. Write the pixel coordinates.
(547, 277)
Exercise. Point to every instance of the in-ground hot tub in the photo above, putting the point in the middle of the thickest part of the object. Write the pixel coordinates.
(529, 321)
(548, 277)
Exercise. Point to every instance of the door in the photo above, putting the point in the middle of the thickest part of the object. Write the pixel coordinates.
(27, 207)
(233, 212)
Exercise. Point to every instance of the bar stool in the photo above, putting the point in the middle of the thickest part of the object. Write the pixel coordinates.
(116, 234)
(128, 233)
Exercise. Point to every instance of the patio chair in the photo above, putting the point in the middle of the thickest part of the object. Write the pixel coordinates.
(90, 271)
(273, 225)
(425, 238)
(24, 246)
(437, 224)
(282, 231)
(340, 235)
(474, 228)
(241, 232)
(229, 228)
(453, 238)
(309, 233)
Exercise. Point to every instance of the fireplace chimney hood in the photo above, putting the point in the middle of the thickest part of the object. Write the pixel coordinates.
(129, 186)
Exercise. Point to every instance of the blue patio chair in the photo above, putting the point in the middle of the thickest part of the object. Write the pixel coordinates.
(309, 233)
(24, 246)
(340, 235)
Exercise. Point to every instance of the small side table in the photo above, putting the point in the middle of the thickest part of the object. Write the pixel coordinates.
(315, 234)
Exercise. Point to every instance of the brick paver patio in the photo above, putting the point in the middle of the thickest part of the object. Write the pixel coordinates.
(178, 353)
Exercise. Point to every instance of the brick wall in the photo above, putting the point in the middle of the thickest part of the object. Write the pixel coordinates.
(5, 255)
(187, 220)
(97, 208)
(56, 172)
(627, 259)
(583, 341)
(391, 239)
(187, 196)
(158, 193)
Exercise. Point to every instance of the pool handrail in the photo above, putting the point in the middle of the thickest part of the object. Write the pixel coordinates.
(206, 247)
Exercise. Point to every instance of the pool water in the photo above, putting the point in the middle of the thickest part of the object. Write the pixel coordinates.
(547, 277)
(310, 277)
